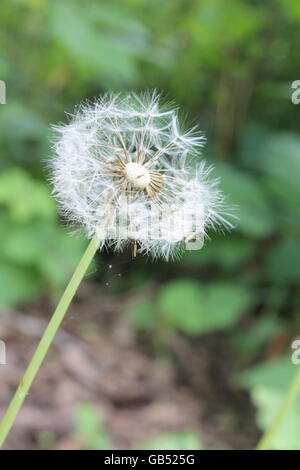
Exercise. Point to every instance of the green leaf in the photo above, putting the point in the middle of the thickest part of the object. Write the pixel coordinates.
(275, 374)
(25, 197)
(268, 383)
(267, 402)
(179, 302)
(196, 309)
(88, 424)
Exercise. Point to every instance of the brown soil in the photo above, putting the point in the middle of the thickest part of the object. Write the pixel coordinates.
(98, 358)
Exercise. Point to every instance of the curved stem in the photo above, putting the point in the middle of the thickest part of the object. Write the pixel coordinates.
(46, 340)
(266, 440)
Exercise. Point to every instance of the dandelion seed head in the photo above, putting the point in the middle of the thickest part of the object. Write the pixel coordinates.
(121, 169)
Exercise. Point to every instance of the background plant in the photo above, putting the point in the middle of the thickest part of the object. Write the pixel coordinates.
(230, 64)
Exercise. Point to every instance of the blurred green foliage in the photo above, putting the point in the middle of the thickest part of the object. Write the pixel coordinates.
(91, 430)
(229, 65)
(35, 252)
(268, 384)
(184, 440)
(193, 308)
(88, 424)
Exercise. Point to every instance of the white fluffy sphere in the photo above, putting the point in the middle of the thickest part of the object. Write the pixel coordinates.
(121, 169)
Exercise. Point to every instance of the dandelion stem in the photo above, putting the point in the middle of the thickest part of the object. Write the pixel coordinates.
(46, 340)
(294, 389)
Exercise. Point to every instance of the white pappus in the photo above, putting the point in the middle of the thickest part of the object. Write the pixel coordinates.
(125, 171)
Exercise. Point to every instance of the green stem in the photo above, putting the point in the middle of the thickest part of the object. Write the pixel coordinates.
(266, 440)
(41, 351)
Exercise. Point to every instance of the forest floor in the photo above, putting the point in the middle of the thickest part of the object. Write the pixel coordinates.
(98, 359)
